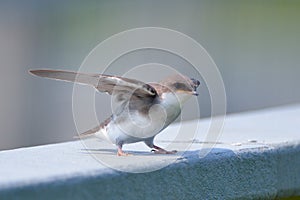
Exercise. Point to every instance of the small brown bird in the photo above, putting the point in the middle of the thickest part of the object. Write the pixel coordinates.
(141, 110)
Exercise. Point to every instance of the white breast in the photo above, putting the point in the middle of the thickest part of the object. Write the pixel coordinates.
(138, 127)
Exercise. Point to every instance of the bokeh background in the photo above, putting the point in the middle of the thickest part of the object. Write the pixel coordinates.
(255, 44)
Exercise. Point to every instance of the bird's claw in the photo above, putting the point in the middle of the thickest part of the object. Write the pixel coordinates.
(160, 151)
(122, 153)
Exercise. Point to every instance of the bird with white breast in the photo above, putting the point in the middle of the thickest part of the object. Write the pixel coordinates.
(140, 110)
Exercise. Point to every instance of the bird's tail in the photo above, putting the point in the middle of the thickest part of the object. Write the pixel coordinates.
(88, 79)
(88, 133)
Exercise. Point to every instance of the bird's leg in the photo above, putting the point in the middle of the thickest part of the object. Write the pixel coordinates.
(157, 149)
(121, 152)
(160, 150)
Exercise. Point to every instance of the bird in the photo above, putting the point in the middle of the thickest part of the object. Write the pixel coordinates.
(140, 110)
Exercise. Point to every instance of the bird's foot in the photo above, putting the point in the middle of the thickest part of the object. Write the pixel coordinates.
(159, 150)
(162, 151)
(122, 153)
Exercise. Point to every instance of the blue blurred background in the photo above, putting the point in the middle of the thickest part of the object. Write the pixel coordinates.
(255, 44)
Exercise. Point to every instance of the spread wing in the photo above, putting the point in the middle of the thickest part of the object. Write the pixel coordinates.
(125, 92)
(122, 89)
(102, 82)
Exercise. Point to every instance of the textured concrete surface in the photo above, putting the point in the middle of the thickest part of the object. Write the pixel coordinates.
(257, 156)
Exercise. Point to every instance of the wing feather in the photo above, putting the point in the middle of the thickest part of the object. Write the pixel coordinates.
(102, 82)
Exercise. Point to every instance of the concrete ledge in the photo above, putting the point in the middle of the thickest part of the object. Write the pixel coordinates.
(261, 164)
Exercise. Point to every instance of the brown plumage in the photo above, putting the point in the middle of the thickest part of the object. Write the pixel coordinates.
(133, 100)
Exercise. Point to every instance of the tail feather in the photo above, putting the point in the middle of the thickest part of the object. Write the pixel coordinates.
(94, 130)
(88, 133)
(89, 79)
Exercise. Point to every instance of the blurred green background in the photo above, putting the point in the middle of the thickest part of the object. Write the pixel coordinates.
(255, 44)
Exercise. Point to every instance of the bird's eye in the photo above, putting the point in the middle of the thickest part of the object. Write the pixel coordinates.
(177, 85)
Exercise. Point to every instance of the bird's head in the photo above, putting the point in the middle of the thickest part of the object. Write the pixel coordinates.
(184, 87)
